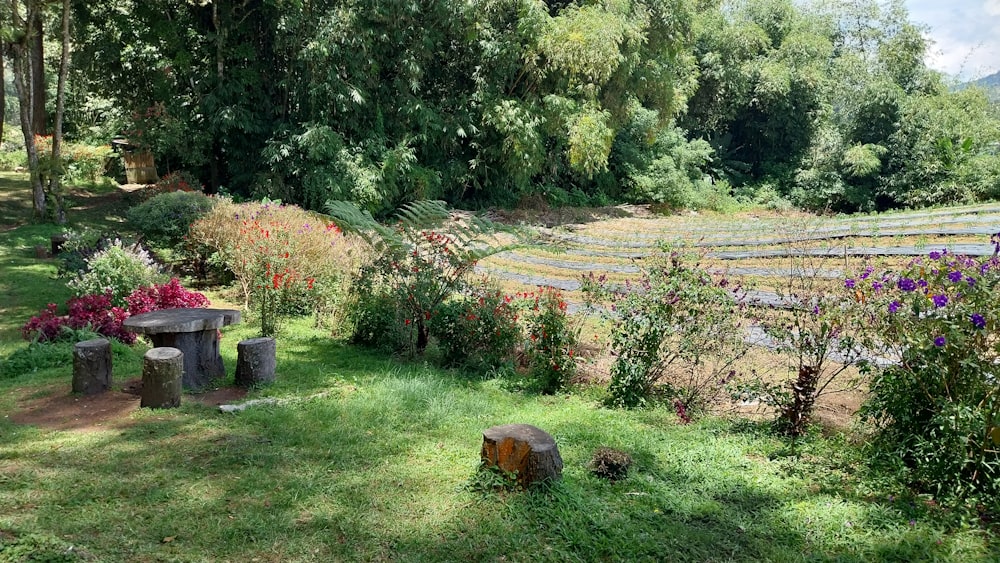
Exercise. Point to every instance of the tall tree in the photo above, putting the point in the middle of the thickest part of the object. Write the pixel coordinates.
(22, 55)
(55, 180)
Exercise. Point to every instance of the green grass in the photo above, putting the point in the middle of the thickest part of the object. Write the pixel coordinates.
(370, 458)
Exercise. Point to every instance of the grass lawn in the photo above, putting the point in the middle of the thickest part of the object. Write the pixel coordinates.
(370, 458)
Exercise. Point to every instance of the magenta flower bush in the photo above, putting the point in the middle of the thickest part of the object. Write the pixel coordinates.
(97, 313)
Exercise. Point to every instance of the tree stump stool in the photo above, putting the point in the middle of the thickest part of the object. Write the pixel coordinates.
(255, 361)
(528, 451)
(162, 370)
(92, 366)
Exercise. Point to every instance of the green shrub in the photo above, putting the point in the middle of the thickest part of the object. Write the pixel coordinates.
(417, 265)
(165, 218)
(936, 409)
(551, 339)
(118, 270)
(478, 331)
(676, 327)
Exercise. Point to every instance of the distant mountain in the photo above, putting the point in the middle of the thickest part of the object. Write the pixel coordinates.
(991, 81)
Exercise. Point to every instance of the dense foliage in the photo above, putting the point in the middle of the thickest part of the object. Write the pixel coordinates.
(826, 105)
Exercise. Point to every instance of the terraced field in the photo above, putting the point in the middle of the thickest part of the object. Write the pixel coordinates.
(767, 252)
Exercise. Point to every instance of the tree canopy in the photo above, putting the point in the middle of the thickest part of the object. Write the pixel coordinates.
(825, 104)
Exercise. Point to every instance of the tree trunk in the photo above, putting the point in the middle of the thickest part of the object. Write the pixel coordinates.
(55, 188)
(3, 89)
(162, 369)
(22, 67)
(37, 58)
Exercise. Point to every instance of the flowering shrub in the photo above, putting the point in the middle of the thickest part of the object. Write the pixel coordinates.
(171, 295)
(478, 331)
(814, 334)
(550, 341)
(677, 326)
(936, 405)
(258, 242)
(118, 270)
(94, 312)
(417, 264)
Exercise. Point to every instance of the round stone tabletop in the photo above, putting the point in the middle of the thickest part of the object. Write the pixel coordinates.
(181, 320)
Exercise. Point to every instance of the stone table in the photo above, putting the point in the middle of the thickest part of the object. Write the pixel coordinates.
(195, 332)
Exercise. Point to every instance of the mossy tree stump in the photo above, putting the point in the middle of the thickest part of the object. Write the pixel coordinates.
(162, 370)
(92, 366)
(525, 450)
(256, 361)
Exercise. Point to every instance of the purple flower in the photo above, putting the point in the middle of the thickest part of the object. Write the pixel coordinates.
(849, 283)
(894, 306)
(970, 280)
(935, 255)
(922, 283)
(906, 284)
(939, 300)
(955, 276)
(877, 286)
(940, 341)
(977, 320)
(868, 271)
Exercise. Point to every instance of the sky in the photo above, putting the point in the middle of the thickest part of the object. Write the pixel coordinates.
(965, 35)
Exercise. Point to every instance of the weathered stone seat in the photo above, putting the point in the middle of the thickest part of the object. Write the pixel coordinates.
(92, 366)
(526, 450)
(195, 332)
(161, 378)
(256, 361)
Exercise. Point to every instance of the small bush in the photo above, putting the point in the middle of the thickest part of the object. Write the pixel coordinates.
(177, 181)
(478, 331)
(165, 219)
(118, 270)
(677, 327)
(610, 464)
(92, 312)
(551, 339)
(171, 295)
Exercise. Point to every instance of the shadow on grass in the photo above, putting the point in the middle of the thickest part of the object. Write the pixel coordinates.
(379, 467)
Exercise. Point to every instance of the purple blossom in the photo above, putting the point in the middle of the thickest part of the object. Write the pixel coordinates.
(940, 341)
(877, 286)
(970, 280)
(894, 306)
(977, 320)
(955, 276)
(849, 283)
(868, 271)
(934, 255)
(922, 283)
(939, 300)
(906, 284)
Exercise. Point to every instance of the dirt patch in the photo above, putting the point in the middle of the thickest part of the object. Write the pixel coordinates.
(53, 409)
